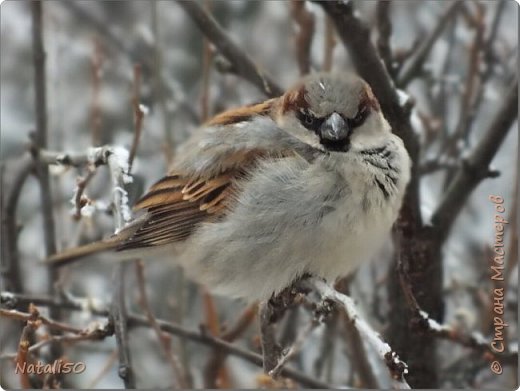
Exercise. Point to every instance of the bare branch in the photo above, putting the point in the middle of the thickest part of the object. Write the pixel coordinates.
(40, 141)
(295, 347)
(119, 317)
(163, 339)
(34, 315)
(10, 258)
(413, 66)
(330, 44)
(306, 24)
(13, 300)
(271, 351)
(138, 115)
(384, 27)
(473, 80)
(217, 360)
(96, 64)
(81, 184)
(396, 367)
(358, 356)
(207, 58)
(96, 156)
(93, 334)
(207, 339)
(477, 79)
(22, 354)
(159, 85)
(241, 62)
(476, 166)
(422, 322)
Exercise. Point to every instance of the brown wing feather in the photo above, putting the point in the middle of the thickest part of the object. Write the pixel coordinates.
(178, 203)
(242, 113)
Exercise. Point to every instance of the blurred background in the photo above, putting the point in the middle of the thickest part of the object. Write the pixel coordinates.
(92, 51)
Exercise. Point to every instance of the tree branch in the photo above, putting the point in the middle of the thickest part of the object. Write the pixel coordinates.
(10, 258)
(384, 27)
(40, 141)
(118, 163)
(396, 367)
(163, 339)
(306, 26)
(242, 64)
(13, 300)
(476, 166)
(413, 66)
(422, 322)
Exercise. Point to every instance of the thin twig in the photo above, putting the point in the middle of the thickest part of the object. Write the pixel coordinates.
(476, 167)
(306, 26)
(104, 371)
(34, 315)
(13, 299)
(413, 67)
(471, 88)
(96, 156)
(384, 29)
(217, 360)
(354, 342)
(295, 347)
(229, 348)
(159, 83)
(138, 115)
(480, 71)
(207, 58)
(271, 351)
(396, 367)
(12, 272)
(164, 340)
(240, 61)
(96, 334)
(422, 322)
(330, 44)
(118, 316)
(22, 354)
(358, 355)
(40, 141)
(117, 161)
(81, 184)
(96, 64)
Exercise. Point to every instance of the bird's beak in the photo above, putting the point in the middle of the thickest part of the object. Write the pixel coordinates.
(335, 128)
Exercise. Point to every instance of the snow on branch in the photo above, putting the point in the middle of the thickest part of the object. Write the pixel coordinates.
(396, 367)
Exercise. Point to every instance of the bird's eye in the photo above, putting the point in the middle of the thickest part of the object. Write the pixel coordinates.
(309, 121)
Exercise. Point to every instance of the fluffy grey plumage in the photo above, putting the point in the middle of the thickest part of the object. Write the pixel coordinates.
(310, 182)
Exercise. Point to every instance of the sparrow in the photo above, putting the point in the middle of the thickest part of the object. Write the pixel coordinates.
(309, 183)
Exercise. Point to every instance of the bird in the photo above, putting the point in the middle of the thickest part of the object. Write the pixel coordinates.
(307, 183)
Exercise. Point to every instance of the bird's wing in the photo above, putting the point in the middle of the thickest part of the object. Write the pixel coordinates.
(203, 184)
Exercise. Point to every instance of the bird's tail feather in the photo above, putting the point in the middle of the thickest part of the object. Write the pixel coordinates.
(77, 253)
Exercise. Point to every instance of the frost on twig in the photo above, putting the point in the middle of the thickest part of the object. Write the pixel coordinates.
(396, 367)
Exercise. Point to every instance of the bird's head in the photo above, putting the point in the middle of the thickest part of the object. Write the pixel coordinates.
(333, 112)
